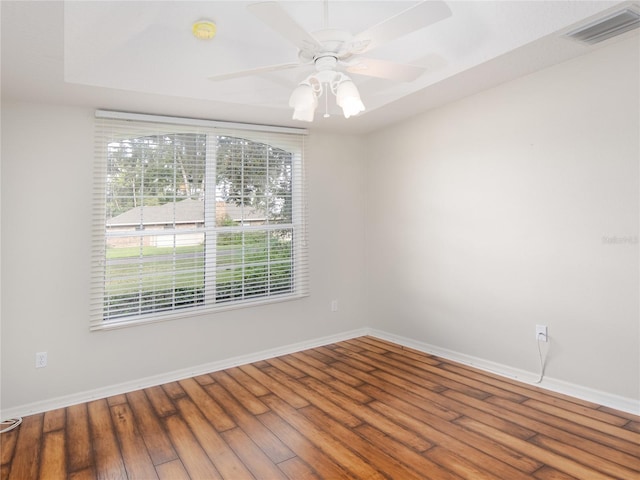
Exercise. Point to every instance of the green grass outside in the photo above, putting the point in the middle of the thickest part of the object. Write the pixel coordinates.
(153, 278)
(148, 251)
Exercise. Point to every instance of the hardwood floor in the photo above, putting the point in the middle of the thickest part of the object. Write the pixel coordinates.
(363, 408)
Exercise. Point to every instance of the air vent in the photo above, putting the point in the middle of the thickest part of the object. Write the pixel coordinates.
(608, 27)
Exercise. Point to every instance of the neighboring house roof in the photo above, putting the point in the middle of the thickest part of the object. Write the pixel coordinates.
(184, 211)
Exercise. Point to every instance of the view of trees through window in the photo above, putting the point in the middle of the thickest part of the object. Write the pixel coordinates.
(194, 218)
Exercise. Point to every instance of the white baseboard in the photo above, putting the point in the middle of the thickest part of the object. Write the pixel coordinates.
(89, 395)
(601, 398)
(624, 404)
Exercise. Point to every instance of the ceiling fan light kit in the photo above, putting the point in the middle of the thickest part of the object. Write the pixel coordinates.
(304, 99)
(329, 49)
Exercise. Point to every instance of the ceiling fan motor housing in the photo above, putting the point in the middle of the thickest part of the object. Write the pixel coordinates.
(333, 42)
(325, 61)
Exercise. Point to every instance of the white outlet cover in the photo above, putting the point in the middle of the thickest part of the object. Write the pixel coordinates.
(41, 359)
(541, 333)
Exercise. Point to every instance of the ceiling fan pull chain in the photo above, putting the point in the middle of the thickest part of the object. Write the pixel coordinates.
(326, 104)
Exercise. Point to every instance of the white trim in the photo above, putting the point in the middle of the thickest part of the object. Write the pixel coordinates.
(596, 396)
(197, 122)
(160, 379)
(599, 397)
(192, 312)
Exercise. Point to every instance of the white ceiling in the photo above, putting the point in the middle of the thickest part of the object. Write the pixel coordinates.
(141, 56)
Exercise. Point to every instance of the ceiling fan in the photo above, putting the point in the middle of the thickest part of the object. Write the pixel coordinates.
(330, 49)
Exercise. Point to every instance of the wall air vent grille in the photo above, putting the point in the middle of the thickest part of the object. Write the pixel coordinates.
(608, 27)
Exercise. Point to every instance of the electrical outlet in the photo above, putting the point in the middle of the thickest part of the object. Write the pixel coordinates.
(334, 305)
(541, 333)
(41, 359)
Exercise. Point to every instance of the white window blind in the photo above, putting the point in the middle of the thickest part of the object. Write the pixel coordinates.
(194, 216)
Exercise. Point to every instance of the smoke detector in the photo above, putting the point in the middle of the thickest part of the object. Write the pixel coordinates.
(204, 29)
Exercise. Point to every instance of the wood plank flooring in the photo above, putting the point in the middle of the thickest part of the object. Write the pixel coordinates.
(363, 409)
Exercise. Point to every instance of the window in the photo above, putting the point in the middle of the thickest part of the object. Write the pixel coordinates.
(194, 216)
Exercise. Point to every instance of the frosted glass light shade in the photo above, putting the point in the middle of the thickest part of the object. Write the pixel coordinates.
(304, 114)
(348, 98)
(304, 102)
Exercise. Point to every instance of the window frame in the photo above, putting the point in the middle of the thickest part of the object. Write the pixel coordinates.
(137, 124)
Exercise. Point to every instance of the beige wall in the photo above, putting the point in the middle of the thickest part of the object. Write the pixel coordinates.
(46, 200)
(478, 220)
(497, 212)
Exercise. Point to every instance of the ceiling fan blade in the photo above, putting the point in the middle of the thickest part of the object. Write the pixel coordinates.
(408, 21)
(279, 20)
(372, 67)
(256, 71)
